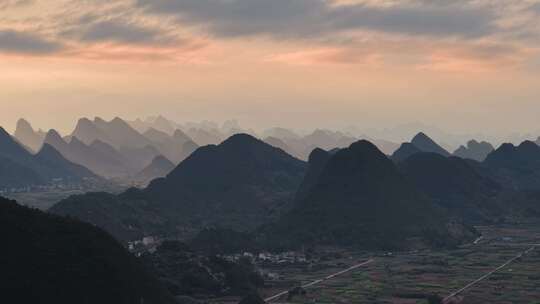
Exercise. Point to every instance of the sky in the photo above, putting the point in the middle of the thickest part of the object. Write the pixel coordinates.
(463, 66)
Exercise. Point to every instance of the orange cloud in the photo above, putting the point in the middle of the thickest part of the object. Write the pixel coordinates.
(327, 56)
(191, 53)
(480, 57)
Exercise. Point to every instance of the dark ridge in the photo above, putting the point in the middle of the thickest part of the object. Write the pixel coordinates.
(239, 184)
(317, 161)
(455, 184)
(518, 167)
(51, 259)
(361, 199)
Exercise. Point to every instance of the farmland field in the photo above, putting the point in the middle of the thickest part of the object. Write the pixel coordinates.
(422, 276)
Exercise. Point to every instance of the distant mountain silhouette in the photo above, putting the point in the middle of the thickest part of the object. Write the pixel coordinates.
(278, 143)
(328, 140)
(474, 150)
(88, 132)
(123, 135)
(54, 139)
(426, 144)
(302, 146)
(189, 147)
(455, 184)
(51, 259)
(386, 146)
(361, 199)
(99, 157)
(281, 133)
(45, 167)
(203, 137)
(115, 149)
(139, 125)
(163, 124)
(156, 135)
(180, 136)
(159, 123)
(58, 166)
(241, 183)
(137, 158)
(18, 166)
(516, 167)
(116, 132)
(405, 151)
(11, 148)
(109, 153)
(159, 167)
(175, 147)
(26, 135)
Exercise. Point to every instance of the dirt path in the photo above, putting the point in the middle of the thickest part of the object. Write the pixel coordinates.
(316, 282)
(453, 295)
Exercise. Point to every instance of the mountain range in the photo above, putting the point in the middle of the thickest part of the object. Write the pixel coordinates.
(100, 157)
(159, 167)
(358, 197)
(116, 132)
(247, 184)
(27, 136)
(20, 168)
(474, 150)
(422, 143)
(240, 183)
(516, 167)
(425, 144)
(300, 146)
(111, 149)
(120, 149)
(175, 147)
(455, 184)
(241, 175)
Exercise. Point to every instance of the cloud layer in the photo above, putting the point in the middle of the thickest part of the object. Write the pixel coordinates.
(325, 31)
(312, 18)
(26, 43)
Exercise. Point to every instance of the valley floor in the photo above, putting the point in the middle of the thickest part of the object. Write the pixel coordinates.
(45, 199)
(411, 277)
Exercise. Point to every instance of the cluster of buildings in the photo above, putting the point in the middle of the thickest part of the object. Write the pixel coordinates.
(289, 257)
(57, 184)
(146, 244)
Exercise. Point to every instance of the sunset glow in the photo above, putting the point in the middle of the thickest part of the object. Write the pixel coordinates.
(371, 63)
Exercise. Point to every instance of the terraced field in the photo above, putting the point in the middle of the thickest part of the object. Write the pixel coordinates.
(427, 276)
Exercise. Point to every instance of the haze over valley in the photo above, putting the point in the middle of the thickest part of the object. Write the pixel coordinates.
(200, 191)
(270, 151)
